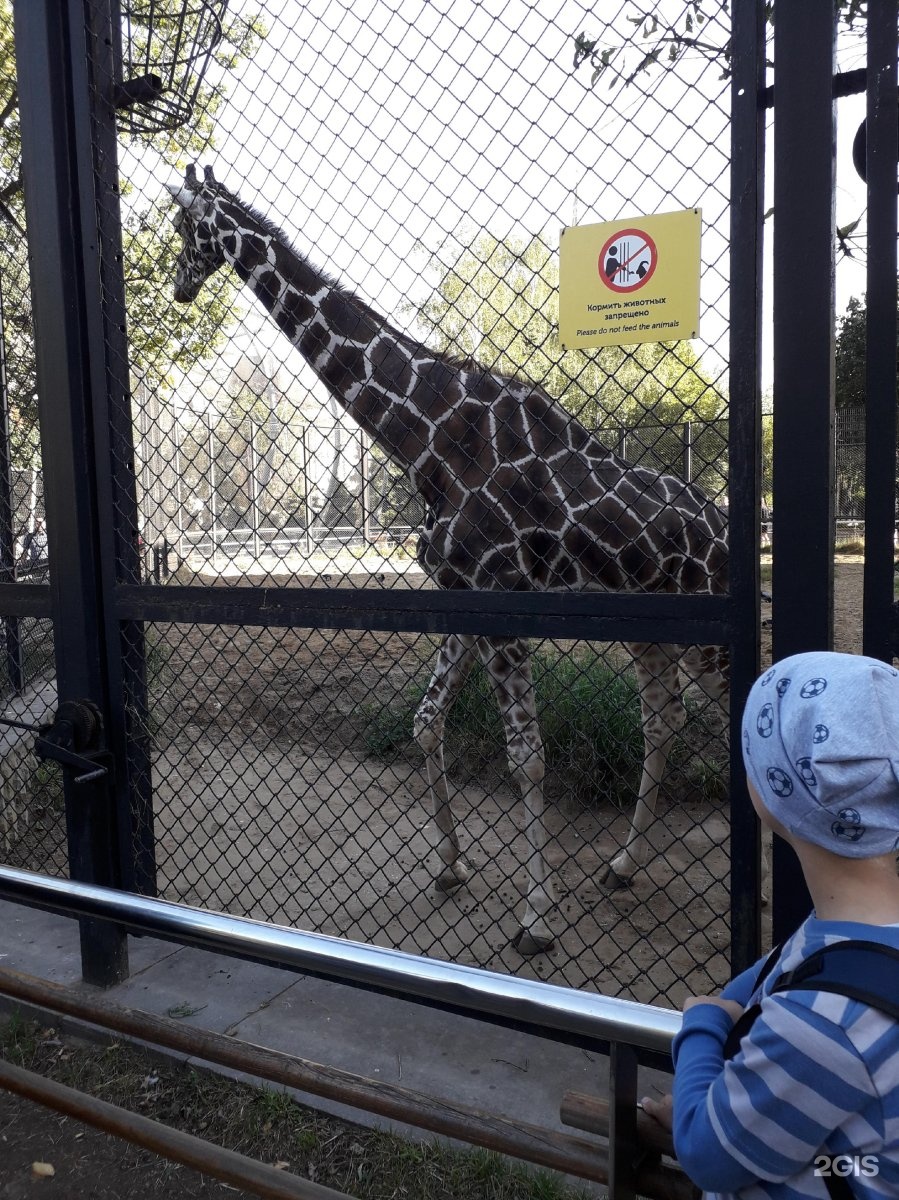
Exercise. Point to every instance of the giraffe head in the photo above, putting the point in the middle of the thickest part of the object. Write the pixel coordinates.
(198, 220)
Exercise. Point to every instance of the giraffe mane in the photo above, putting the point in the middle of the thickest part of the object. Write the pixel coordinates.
(456, 361)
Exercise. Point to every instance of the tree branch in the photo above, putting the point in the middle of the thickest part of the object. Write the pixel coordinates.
(9, 107)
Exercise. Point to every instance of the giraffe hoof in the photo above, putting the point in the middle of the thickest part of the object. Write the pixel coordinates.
(528, 944)
(448, 886)
(613, 881)
(451, 880)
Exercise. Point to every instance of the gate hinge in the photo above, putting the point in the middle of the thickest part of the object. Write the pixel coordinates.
(74, 739)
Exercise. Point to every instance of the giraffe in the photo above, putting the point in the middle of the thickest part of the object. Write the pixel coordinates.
(518, 494)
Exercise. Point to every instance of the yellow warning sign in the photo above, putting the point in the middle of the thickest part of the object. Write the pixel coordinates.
(635, 280)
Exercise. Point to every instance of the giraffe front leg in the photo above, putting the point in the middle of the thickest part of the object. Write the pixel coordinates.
(508, 663)
(663, 717)
(454, 661)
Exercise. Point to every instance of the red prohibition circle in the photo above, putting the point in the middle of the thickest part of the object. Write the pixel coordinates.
(645, 243)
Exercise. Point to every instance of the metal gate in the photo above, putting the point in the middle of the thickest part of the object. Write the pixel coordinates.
(232, 579)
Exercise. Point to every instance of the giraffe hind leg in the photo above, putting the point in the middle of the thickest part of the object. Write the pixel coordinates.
(507, 661)
(454, 662)
(663, 716)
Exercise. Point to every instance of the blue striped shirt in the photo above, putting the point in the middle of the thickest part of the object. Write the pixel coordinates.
(818, 1074)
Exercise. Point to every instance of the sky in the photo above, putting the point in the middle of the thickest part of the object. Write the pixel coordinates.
(383, 137)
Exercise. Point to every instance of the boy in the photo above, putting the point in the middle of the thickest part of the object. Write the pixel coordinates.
(809, 1103)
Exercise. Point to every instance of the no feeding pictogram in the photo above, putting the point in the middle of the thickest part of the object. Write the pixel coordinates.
(627, 260)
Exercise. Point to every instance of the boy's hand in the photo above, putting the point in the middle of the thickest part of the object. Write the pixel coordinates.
(733, 1010)
(660, 1110)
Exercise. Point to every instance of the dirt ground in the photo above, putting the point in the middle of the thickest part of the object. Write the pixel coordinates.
(268, 804)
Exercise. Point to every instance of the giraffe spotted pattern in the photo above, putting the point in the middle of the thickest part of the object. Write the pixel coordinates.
(518, 495)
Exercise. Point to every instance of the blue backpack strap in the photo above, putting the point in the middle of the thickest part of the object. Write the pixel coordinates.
(860, 970)
(747, 1019)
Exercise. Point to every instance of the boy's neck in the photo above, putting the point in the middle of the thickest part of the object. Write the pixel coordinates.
(864, 890)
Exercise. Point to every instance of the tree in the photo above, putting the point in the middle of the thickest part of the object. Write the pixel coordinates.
(159, 335)
(661, 35)
(498, 303)
(851, 354)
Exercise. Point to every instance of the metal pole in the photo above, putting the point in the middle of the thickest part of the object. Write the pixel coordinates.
(363, 481)
(254, 490)
(882, 132)
(745, 452)
(212, 492)
(804, 234)
(306, 522)
(114, 465)
(544, 1009)
(804, 176)
(687, 450)
(622, 1122)
(55, 104)
(179, 497)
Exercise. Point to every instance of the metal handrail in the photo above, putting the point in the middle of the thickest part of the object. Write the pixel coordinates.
(628, 1029)
(537, 1007)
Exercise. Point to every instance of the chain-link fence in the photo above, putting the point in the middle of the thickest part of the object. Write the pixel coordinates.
(421, 428)
(426, 161)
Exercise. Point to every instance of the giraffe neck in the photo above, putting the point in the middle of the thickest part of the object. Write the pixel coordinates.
(366, 364)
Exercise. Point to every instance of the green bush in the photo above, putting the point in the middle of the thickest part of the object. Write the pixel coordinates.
(589, 715)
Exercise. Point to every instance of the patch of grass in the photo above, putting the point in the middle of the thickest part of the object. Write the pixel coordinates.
(46, 786)
(589, 717)
(709, 776)
(19, 1040)
(855, 546)
(265, 1124)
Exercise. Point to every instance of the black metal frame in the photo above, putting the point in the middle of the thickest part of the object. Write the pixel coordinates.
(68, 119)
(882, 136)
(803, 287)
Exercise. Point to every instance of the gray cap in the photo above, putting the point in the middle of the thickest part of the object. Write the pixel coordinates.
(821, 748)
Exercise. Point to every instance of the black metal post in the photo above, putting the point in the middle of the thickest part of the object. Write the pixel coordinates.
(622, 1122)
(804, 176)
(745, 449)
(687, 451)
(49, 40)
(880, 364)
(119, 535)
(804, 179)
(12, 631)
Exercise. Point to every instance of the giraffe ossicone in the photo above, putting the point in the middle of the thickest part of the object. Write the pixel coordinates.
(519, 496)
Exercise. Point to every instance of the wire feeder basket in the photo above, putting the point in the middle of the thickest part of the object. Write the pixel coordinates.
(166, 49)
